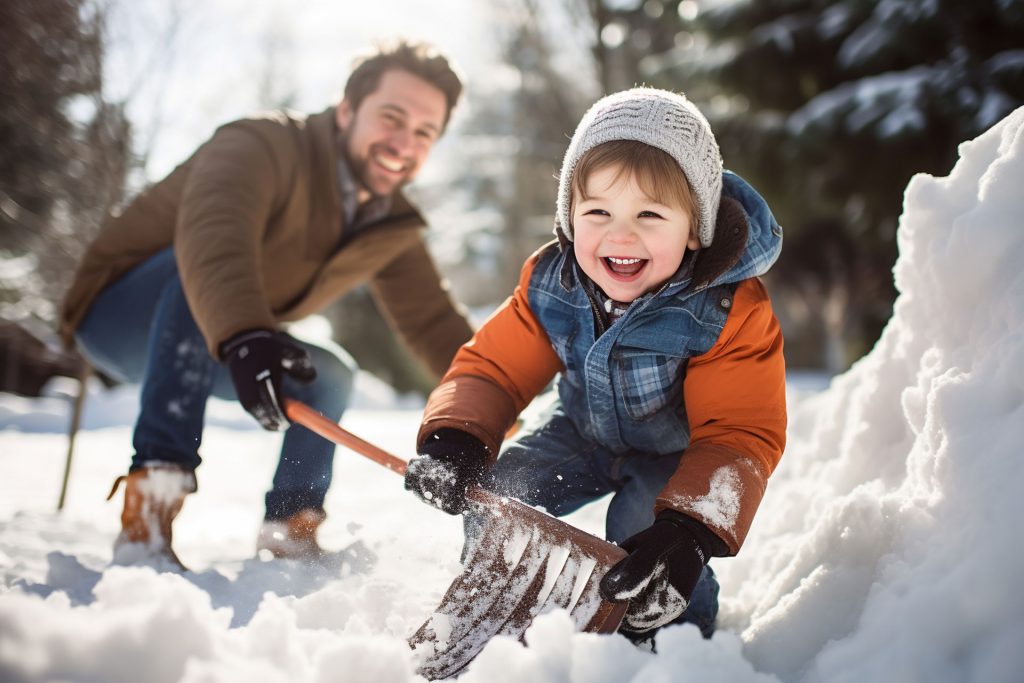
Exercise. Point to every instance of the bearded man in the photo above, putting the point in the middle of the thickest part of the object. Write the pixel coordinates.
(187, 290)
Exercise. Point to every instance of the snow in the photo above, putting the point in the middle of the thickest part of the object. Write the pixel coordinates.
(883, 550)
(890, 20)
(889, 103)
(721, 505)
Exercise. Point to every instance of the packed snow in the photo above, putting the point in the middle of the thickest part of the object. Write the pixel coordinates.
(883, 550)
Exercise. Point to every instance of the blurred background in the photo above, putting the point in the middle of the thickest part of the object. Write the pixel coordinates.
(827, 107)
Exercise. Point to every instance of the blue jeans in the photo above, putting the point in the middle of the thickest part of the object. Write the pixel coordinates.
(140, 329)
(549, 464)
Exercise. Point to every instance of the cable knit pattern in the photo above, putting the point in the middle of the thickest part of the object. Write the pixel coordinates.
(658, 118)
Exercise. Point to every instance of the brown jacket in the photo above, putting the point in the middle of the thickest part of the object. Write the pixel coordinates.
(255, 219)
(735, 398)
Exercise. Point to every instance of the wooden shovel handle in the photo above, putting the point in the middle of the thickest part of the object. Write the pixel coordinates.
(310, 419)
(551, 532)
(300, 413)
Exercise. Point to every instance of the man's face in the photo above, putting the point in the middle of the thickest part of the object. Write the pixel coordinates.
(388, 137)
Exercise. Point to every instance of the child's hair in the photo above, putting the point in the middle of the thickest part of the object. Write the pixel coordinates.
(657, 174)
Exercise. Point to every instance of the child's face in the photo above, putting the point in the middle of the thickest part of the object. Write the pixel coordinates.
(625, 241)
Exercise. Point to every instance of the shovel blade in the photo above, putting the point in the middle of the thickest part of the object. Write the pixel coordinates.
(523, 564)
(526, 563)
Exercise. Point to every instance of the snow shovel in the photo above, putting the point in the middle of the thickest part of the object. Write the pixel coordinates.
(522, 564)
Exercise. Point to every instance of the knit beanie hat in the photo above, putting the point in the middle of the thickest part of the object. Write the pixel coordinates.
(658, 118)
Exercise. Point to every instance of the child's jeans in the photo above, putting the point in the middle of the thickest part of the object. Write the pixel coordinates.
(548, 464)
(140, 329)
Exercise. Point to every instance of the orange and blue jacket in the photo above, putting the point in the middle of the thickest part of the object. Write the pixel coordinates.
(708, 343)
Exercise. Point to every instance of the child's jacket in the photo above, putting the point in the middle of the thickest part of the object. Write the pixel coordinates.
(695, 367)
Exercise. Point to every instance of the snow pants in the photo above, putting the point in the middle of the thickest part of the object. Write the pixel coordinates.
(140, 329)
(549, 464)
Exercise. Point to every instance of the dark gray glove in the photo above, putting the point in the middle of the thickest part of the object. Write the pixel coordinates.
(658, 576)
(449, 462)
(257, 361)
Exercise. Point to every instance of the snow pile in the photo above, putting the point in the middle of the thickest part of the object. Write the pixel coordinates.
(884, 549)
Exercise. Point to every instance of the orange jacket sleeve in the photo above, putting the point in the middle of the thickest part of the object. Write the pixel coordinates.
(495, 374)
(736, 403)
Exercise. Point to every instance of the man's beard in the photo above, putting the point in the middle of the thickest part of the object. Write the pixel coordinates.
(359, 166)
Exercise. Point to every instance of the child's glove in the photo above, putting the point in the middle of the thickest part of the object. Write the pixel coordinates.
(257, 361)
(449, 462)
(658, 577)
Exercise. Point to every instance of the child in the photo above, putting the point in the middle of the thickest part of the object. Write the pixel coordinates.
(672, 388)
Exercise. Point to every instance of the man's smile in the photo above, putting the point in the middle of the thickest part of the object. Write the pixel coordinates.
(389, 162)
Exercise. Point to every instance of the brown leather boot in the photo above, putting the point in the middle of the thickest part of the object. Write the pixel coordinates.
(293, 538)
(153, 497)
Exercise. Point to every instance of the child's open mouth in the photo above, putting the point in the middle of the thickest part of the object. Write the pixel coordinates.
(624, 268)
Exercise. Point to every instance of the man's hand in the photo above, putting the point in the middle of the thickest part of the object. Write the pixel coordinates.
(449, 462)
(257, 361)
(659, 574)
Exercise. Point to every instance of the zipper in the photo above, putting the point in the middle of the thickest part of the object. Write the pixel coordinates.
(598, 318)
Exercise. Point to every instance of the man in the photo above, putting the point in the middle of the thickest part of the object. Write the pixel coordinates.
(269, 221)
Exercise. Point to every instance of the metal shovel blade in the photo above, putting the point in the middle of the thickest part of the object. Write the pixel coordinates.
(523, 564)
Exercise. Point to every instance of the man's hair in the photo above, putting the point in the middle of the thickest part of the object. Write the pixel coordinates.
(419, 59)
(657, 174)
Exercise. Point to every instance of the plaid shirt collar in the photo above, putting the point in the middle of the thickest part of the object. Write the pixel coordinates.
(356, 216)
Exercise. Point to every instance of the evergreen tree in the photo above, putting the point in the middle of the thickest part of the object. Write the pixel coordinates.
(829, 108)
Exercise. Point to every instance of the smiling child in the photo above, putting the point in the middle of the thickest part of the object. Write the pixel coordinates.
(671, 380)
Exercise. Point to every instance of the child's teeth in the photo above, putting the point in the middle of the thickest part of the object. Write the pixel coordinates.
(623, 261)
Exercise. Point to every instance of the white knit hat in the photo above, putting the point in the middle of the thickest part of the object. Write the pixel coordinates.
(658, 118)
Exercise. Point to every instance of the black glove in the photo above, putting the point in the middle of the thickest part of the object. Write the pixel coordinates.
(449, 462)
(658, 576)
(257, 360)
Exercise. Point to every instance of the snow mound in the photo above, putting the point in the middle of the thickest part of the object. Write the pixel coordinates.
(885, 551)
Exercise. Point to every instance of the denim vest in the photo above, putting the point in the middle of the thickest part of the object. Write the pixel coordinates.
(623, 386)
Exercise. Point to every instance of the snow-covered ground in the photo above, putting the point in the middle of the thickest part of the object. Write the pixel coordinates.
(884, 550)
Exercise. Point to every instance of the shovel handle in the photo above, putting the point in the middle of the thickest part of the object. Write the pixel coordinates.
(310, 419)
(300, 413)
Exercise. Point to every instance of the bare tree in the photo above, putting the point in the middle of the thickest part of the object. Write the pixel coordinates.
(276, 78)
(67, 149)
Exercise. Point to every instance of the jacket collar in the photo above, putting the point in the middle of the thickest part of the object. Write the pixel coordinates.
(323, 147)
(731, 233)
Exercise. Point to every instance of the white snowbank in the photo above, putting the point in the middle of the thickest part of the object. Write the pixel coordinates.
(884, 549)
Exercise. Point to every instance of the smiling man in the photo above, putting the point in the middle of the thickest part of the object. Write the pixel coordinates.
(388, 138)
(188, 289)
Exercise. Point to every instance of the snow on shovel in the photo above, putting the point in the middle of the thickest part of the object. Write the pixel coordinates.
(522, 564)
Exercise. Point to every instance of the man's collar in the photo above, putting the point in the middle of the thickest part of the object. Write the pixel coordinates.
(347, 187)
(374, 208)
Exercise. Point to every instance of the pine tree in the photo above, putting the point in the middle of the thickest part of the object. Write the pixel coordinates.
(829, 108)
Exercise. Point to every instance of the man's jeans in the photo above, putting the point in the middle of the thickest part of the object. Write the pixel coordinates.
(549, 464)
(140, 329)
